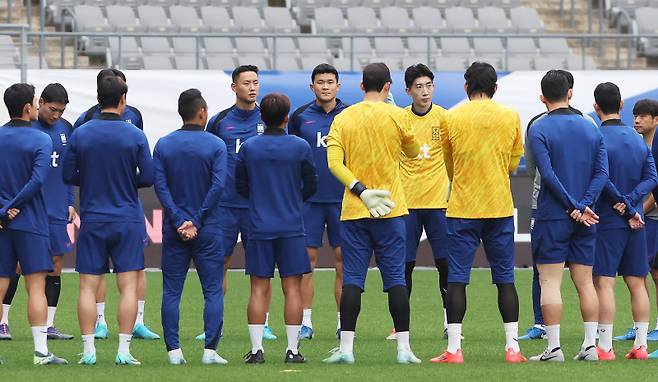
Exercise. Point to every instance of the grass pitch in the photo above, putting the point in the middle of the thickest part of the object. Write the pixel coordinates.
(375, 357)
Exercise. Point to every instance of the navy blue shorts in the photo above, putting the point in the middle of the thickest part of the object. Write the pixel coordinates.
(384, 237)
(60, 242)
(651, 230)
(122, 242)
(621, 252)
(561, 241)
(234, 221)
(286, 253)
(316, 217)
(436, 230)
(30, 250)
(497, 236)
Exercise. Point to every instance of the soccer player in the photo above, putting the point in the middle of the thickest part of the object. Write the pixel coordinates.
(424, 179)
(363, 150)
(190, 169)
(311, 122)
(140, 331)
(109, 159)
(621, 241)
(645, 121)
(24, 166)
(275, 172)
(564, 228)
(59, 200)
(537, 331)
(235, 126)
(482, 144)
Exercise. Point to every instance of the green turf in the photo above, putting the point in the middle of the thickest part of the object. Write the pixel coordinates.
(375, 357)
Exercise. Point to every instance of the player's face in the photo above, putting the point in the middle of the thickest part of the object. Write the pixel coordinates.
(644, 123)
(246, 87)
(50, 112)
(421, 91)
(325, 86)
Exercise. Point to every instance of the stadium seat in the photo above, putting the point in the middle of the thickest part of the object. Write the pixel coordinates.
(409, 61)
(389, 47)
(449, 64)
(474, 4)
(305, 9)
(154, 19)
(89, 19)
(249, 20)
(647, 22)
(443, 4)
(220, 63)
(330, 20)
(418, 46)
(363, 20)
(279, 20)
(259, 61)
(343, 4)
(129, 3)
(284, 46)
(396, 20)
(360, 46)
(549, 63)
(506, 4)
(576, 63)
(249, 46)
(494, 20)
(192, 3)
(483, 46)
(159, 3)
(376, 4)
(185, 45)
(428, 20)
(286, 63)
(254, 3)
(342, 64)
(187, 62)
(310, 62)
(157, 63)
(630, 6)
(455, 46)
(186, 19)
(132, 62)
(526, 20)
(519, 63)
(393, 63)
(461, 20)
(122, 19)
(521, 47)
(56, 9)
(128, 47)
(223, 3)
(408, 4)
(218, 46)
(218, 20)
(155, 46)
(313, 46)
(554, 47)
(96, 3)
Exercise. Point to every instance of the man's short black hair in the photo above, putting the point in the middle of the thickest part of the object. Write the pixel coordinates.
(481, 77)
(110, 72)
(242, 69)
(554, 86)
(273, 109)
(16, 96)
(646, 107)
(324, 69)
(416, 71)
(55, 93)
(375, 76)
(110, 90)
(189, 103)
(608, 97)
(567, 74)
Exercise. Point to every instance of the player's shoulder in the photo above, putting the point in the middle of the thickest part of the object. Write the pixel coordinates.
(134, 110)
(298, 112)
(223, 114)
(297, 141)
(37, 136)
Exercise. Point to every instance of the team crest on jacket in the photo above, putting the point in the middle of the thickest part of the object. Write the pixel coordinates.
(62, 137)
(260, 128)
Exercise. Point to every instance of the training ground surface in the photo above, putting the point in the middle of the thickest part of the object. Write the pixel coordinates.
(375, 357)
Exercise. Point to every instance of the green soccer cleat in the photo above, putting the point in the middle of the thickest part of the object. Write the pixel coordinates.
(126, 359)
(339, 358)
(101, 332)
(141, 332)
(653, 355)
(48, 359)
(406, 357)
(87, 359)
(268, 334)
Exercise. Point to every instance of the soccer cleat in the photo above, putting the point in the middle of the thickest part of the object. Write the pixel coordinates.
(555, 355)
(628, 336)
(512, 356)
(257, 357)
(212, 358)
(101, 332)
(588, 354)
(87, 359)
(392, 335)
(48, 359)
(55, 334)
(141, 332)
(201, 337)
(534, 333)
(638, 353)
(294, 358)
(652, 335)
(306, 333)
(126, 359)
(606, 355)
(654, 355)
(4, 332)
(176, 359)
(448, 357)
(406, 357)
(339, 357)
(268, 334)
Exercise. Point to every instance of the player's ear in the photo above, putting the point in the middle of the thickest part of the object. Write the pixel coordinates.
(363, 88)
(495, 88)
(233, 86)
(542, 99)
(465, 88)
(621, 105)
(286, 119)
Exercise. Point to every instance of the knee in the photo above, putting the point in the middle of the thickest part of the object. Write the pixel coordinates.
(550, 292)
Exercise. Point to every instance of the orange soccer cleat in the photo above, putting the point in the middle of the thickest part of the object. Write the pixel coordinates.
(448, 357)
(606, 355)
(512, 356)
(638, 353)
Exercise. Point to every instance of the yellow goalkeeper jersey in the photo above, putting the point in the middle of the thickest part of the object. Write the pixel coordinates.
(424, 178)
(364, 143)
(481, 145)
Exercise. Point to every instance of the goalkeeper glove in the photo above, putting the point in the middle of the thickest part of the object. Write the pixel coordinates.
(378, 202)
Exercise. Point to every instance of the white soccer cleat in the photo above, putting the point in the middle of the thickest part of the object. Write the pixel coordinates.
(176, 357)
(406, 357)
(589, 354)
(212, 358)
(554, 355)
